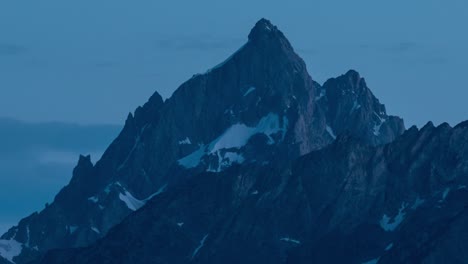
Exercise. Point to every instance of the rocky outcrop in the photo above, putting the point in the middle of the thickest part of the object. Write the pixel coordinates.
(352, 108)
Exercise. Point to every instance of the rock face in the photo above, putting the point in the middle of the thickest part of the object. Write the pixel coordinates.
(219, 166)
(405, 202)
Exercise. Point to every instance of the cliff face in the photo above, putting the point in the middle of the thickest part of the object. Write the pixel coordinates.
(253, 115)
(405, 202)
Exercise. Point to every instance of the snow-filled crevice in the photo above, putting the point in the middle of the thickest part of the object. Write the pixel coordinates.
(134, 203)
(135, 145)
(330, 132)
(251, 89)
(378, 124)
(390, 224)
(197, 249)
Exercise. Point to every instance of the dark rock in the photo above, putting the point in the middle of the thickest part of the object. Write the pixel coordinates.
(253, 114)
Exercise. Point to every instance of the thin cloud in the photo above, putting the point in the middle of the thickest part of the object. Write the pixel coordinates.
(11, 49)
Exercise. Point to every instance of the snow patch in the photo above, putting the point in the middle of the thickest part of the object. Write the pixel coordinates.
(356, 106)
(418, 202)
(237, 136)
(192, 160)
(10, 249)
(378, 125)
(95, 230)
(330, 132)
(131, 202)
(202, 243)
(389, 224)
(186, 141)
(233, 157)
(251, 89)
(226, 160)
(180, 224)
(290, 240)
(322, 94)
(93, 199)
(255, 192)
(134, 203)
(158, 192)
(445, 193)
(389, 247)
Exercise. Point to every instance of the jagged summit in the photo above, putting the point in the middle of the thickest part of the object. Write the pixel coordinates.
(263, 28)
(265, 34)
(353, 75)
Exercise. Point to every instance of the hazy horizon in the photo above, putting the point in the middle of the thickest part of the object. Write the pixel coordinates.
(37, 160)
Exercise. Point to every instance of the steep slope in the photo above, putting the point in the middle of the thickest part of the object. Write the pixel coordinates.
(258, 107)
(405, 202)
(352, 108)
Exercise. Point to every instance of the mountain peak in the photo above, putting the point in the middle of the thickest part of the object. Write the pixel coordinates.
(263, 26)
(353, 74)
(265, 30)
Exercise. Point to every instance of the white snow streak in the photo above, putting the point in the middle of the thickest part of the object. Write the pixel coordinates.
(131, 202)
(389, 247)
(95, 230)
(134, 203)
(135, 145)
(287, 239)
(251, 89)
(389, 224)
(378, 125)
(445, 193)
(202, 243)
(330, 132)
(186, 141)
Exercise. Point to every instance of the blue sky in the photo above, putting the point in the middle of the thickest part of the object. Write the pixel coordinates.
(94, 61)
(36, 161)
